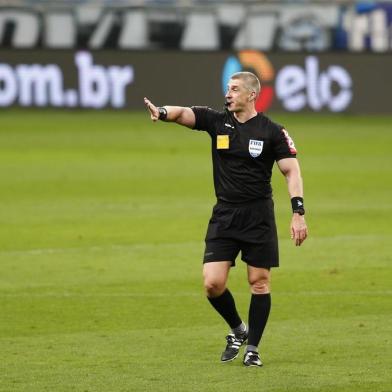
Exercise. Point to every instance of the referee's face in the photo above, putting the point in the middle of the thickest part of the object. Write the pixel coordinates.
(238, 97)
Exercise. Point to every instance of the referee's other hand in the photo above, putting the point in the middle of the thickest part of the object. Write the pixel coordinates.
(154, 113)
(299, 230)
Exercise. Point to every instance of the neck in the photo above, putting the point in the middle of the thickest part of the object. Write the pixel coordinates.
(245, 115)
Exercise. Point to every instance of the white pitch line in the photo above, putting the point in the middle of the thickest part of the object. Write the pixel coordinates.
(95, 248)
(41, 251)
(190, 294)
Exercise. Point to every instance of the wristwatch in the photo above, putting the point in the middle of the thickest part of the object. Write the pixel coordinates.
(297, 205)
(162, 113)
(300, 211)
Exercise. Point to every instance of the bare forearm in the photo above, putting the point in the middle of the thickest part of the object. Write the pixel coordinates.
(292, 172)
(174, 113)
(180, 115)
(295, 184)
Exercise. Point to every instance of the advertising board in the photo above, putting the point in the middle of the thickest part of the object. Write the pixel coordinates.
(355, 83)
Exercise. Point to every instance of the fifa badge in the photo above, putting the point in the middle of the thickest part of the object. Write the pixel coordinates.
(255, 147)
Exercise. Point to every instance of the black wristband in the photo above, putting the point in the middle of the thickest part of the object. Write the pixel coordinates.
(297, 204)
(162, 113)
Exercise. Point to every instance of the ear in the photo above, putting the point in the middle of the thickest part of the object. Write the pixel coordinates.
(251, 96)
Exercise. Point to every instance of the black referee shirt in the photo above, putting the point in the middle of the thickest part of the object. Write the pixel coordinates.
(243, 153)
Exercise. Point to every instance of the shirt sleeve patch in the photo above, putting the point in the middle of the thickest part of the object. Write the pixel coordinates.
(290, 142)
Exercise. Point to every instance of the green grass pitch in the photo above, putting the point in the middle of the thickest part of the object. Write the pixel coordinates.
(103, 217)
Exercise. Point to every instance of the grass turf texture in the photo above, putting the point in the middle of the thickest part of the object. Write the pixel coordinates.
(102, 223)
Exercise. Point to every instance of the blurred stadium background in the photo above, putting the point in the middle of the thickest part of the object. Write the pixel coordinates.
(103, 213)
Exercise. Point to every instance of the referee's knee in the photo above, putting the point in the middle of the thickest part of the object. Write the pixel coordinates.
(259, 286)
(214, 288)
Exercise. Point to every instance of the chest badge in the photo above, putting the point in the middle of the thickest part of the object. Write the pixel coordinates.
(255, 147)
(222, 142)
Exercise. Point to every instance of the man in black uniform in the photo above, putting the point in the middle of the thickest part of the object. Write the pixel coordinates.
(245, 144)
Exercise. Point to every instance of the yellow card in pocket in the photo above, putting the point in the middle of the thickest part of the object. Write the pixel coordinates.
(222, 142)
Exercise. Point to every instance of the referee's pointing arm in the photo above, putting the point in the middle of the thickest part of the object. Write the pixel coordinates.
(178, 114)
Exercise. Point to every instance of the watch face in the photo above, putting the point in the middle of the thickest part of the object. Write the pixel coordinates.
(162, 113)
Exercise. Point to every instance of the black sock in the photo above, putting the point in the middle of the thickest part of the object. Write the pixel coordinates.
(225, 306)
(259, 309)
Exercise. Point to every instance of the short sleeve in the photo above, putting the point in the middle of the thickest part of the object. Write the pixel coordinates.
(283, 144)
(205, 118)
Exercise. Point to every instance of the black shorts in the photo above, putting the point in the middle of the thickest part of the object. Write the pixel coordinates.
(248, 228)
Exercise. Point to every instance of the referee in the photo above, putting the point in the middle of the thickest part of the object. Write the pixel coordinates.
(245, 144)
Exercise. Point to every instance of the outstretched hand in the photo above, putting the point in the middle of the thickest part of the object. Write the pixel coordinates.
(154, 113)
